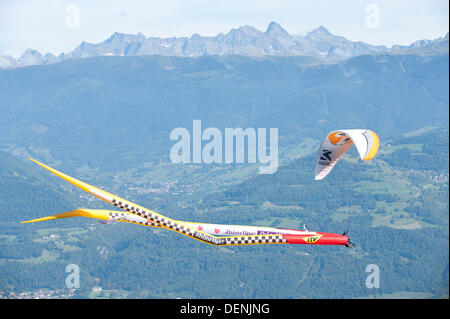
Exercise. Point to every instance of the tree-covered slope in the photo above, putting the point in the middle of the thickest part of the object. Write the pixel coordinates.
(395, 207)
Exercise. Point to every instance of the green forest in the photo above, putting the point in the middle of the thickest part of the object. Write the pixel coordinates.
(395, 208)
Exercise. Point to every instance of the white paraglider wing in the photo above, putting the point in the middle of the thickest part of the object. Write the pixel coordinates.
(338, 142)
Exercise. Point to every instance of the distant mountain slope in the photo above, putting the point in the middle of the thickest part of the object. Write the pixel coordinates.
(28, 192)
(124, 108)
(246, 40)
(439, 45)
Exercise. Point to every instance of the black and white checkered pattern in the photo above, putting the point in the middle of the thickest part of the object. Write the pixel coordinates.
(123, 216)
(257, 239)
(155, 218)
(158, 220)
(116, 215)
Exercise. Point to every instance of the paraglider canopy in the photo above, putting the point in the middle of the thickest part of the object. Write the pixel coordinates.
(338, 142)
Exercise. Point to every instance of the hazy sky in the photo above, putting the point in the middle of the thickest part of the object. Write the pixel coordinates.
(59, 26)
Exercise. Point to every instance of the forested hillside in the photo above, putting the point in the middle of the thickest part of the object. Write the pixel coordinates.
(396, 209)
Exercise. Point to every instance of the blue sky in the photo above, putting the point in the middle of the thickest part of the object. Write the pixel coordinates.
(43, 24)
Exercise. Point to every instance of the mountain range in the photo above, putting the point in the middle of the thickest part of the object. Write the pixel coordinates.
(245, 40)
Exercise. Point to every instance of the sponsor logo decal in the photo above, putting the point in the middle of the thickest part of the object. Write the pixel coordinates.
(239, 232)
(311, 239)
(335, 137)
(339, 138)
(210, 239)
(325, 159)
(249, 233)
(264, 232)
